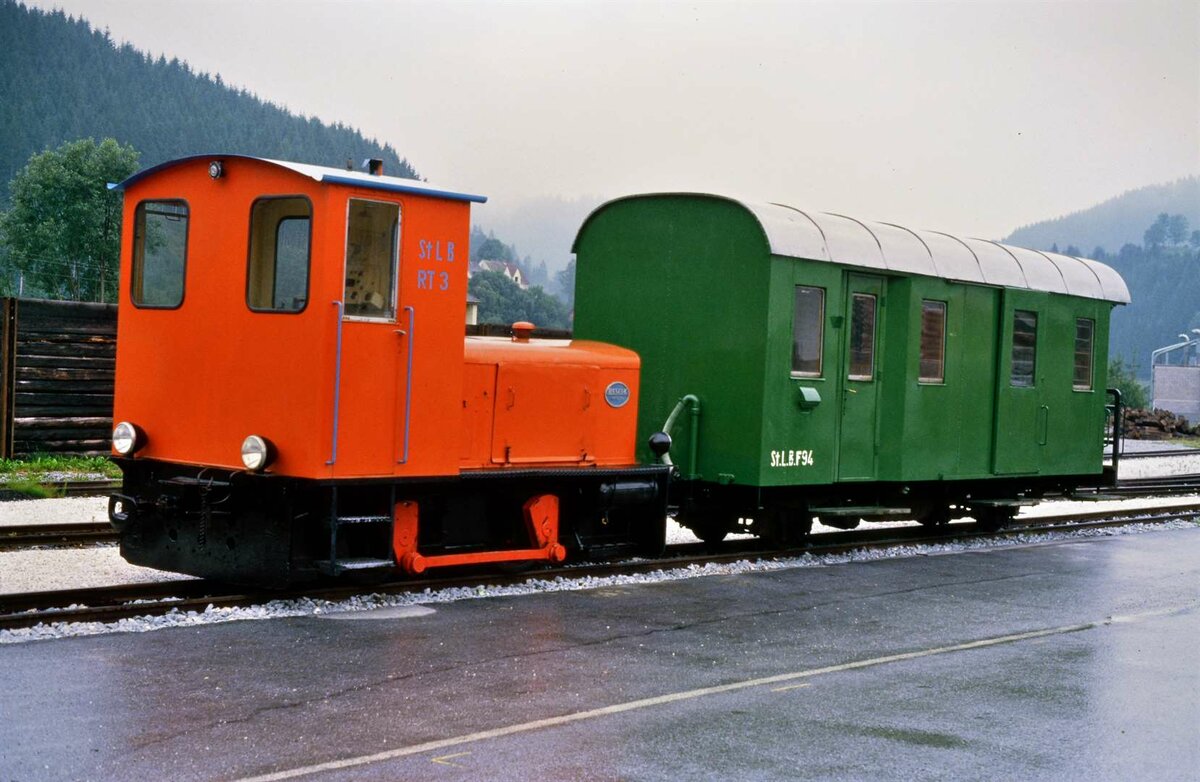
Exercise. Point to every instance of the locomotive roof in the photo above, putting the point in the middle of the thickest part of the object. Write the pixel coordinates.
(338, 176)
(824, 236)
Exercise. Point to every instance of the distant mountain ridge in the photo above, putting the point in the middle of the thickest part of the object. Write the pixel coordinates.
(1162, 278)
(1116, 222)
(60, 80)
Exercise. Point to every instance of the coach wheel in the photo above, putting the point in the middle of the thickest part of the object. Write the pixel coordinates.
(994, 519)
(936, 516)
(708, 525)
(784, 527)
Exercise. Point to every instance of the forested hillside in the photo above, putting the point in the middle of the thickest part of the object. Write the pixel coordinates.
(1163, 281)
(1158, 255)
(60, 80)
(1115, 222)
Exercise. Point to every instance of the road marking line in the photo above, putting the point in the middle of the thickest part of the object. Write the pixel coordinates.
(444, 760)
(791, 687)
(676, 697)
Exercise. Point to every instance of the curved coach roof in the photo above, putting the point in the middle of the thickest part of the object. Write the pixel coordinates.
(339, 176)
(822, 236)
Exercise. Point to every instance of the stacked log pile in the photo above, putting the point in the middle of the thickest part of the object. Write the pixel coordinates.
(1156, 425)
(57, 367)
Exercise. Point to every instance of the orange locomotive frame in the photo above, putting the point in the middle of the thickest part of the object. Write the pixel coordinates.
(351, 372)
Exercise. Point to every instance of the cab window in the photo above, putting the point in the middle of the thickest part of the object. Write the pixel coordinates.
(160, 230)
(372, 248)
(280, 239)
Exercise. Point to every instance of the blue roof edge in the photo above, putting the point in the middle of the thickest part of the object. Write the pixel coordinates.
(324, 174)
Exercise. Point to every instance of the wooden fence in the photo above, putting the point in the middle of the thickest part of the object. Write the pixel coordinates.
(57, 362)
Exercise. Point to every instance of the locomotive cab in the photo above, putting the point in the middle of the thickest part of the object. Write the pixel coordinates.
(295, 392)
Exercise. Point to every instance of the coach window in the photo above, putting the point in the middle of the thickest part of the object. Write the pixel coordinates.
(933, 342)
(280, 238)
(1024, 349)
(808, 331)
(1084, 328)
(372, 248)
(160, 230)
(862, 337)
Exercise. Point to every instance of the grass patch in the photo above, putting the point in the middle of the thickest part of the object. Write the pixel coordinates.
(30, 489)
(41, 476)
(54, 467)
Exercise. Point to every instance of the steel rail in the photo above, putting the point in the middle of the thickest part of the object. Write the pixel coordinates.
(109, 604)
(88, 488)
(1148, 454)
(1157, 486)
(80, 534)
(56, 535)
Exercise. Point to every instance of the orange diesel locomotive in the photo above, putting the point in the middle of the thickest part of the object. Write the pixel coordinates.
(295, 394)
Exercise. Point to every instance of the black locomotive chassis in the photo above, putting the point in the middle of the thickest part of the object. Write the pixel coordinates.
(273, 530)
(785, 513)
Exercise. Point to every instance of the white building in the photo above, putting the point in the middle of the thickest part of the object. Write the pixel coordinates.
(509, 270)
(1175, 377)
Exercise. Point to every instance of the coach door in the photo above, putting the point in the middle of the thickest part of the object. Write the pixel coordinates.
(373, 343)
(860, 378)
(1022, 418)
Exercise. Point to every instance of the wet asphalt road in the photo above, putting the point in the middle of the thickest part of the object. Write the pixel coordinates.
(1059, 661)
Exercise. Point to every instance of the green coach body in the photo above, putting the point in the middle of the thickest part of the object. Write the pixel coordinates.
(823, 350)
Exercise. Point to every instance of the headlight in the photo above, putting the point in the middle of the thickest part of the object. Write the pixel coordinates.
(127, 438)
(257, 453)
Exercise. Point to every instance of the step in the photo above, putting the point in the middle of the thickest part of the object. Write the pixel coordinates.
(344, 520)
(204, 483)
(355, 564)
(858, 512)
(1097, 497)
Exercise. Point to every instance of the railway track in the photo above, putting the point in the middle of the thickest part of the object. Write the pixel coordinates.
(1153, 487)
(1176, 451)
(109, 604)
(56, 535)
(82, 534)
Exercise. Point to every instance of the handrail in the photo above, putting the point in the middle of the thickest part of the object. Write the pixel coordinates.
(410, 335)
(337, 380)
(693, 402)
(1116, 411)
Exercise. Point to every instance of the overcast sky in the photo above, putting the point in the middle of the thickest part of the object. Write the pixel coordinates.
(969, 117)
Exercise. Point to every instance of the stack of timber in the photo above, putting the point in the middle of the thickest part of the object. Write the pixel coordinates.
(1156, 425)
(57, 363)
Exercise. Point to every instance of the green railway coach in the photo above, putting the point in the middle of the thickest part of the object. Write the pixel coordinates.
(814, 365)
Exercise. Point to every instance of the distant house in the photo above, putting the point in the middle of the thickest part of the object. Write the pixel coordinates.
(472, 310)
(509, 270)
